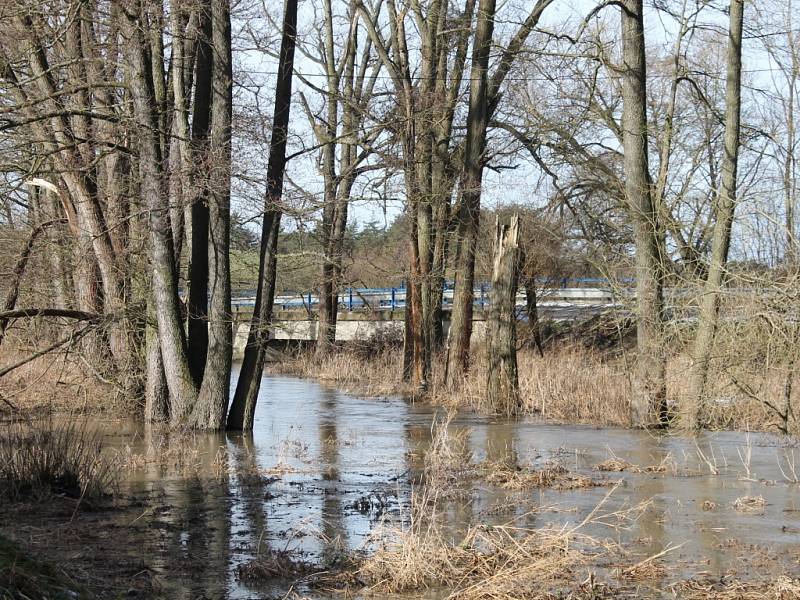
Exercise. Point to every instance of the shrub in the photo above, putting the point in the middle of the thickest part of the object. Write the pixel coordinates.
(37, 461)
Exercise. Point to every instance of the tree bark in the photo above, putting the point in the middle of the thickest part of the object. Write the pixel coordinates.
(502, 383)
(244, 401)
(708, 319)
(197, 304)
(182, 389)
(212, 403)
(648, 405)
(468, 216)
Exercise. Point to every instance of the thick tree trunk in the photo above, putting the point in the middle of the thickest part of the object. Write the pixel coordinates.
(182, 390)
(468, 217)
(726, 204)
(648, 405)
(156, 393)
(502, 383)
(212, 403)
(197, 304)
(244, 401)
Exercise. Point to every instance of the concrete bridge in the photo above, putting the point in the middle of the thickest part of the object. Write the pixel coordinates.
(379, 299)
(294, 319)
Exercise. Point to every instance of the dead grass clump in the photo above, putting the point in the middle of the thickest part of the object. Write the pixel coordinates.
(39, 460)
(274, 564)
(376, 375)
(553, 476)
(448, 457)
(750, 504)
(780, 588)
(617, 465)
(504, 561)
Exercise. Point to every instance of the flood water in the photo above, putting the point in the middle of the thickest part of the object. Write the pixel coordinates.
(323, 468)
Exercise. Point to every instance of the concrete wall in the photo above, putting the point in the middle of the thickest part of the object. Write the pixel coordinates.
(350, 327)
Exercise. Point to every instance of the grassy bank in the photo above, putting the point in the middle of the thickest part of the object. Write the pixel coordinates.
(569, 384)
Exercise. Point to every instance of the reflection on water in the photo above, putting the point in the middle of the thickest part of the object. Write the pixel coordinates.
(322, 467)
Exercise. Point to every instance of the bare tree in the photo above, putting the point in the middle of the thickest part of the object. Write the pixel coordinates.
(484, 99)
(648, 406)
(244, 400)
(724, 213)
(346, 144)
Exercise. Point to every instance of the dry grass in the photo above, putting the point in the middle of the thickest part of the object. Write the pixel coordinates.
(553, 475)
(504, 561)
(449, 464)
(615, 464)
(570, 384)
(58, 382)
(43, 459)
(376, 375)
(780, 588)
(271, 564)
(750, 504)
(448, 460)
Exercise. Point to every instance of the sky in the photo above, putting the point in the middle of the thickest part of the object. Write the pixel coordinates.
(522, 185)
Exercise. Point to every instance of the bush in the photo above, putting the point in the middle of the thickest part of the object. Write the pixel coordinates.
(64, 460)
(383, 339)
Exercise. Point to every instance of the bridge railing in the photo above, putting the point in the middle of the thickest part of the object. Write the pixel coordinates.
(395, 297)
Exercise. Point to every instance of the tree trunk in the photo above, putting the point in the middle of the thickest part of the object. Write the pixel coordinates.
(156, 393)
(212, 402)
(198, 264)
(468, 217)
(648, 405)
(502, 384)
(244, 401)
(182, 390)
(726, 205)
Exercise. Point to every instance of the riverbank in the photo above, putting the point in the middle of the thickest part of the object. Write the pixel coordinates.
(569, 384)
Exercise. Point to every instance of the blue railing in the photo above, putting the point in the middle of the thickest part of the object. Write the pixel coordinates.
(394, 297)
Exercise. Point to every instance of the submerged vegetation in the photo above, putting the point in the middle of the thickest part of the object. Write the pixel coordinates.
(39, 460)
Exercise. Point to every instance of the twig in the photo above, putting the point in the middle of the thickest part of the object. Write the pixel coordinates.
(650, 559)
(73, 337)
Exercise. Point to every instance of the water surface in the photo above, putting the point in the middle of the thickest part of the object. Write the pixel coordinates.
(322, 468)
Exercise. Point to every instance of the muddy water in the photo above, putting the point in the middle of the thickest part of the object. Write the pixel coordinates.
(323, 468)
